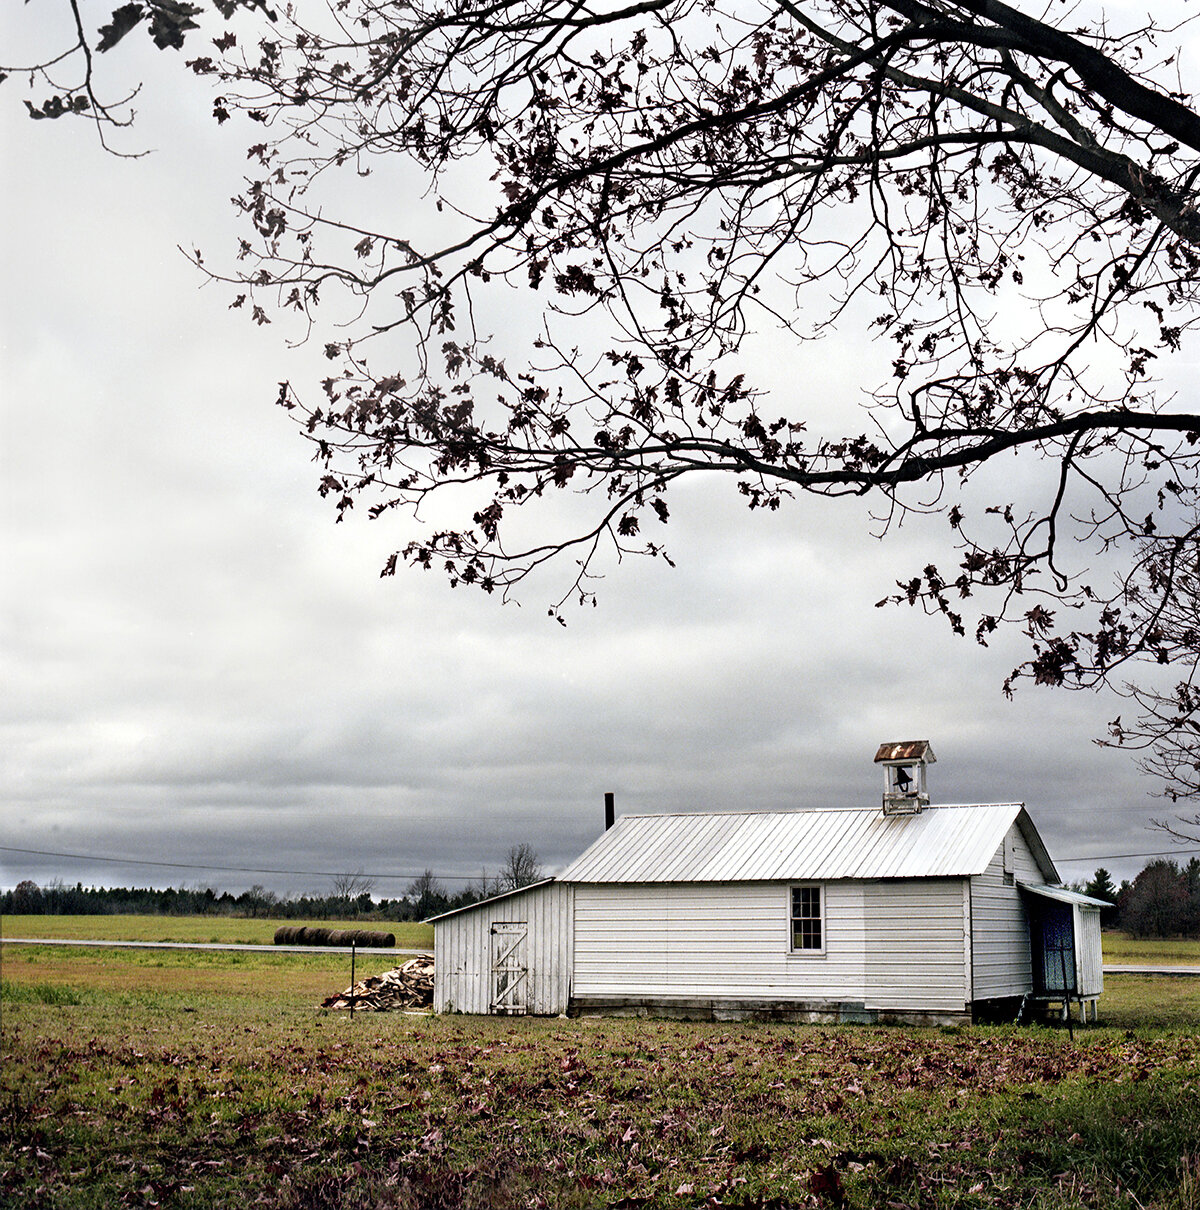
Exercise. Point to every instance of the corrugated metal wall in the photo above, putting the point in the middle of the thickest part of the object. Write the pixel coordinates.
(1002, 964)
(1089, 970)
(462, 952)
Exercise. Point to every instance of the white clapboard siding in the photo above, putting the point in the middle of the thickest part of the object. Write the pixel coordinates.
(917, 945)
(462, 951)
(1000, 923)
(713, 940)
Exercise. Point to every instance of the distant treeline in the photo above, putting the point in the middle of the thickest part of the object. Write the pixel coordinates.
(425, 898)
(1162, 901)
(350, 897)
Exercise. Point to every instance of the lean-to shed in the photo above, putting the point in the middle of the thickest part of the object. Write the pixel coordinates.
(1065, 936)
(913, 912)
(510, 954)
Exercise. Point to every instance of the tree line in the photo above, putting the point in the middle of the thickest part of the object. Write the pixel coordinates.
(349, 898)
(1162, 901)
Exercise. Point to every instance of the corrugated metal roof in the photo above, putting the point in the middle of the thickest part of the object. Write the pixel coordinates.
(942, 841)
(1062, 895)
(529, 886)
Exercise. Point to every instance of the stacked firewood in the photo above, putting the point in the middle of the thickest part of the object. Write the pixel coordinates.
(408, 986)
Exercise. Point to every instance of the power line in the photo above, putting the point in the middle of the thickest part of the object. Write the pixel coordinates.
(408, 876)
(227, 869)
(1119, 856)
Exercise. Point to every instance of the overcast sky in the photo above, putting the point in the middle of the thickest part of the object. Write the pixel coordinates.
(199, 667)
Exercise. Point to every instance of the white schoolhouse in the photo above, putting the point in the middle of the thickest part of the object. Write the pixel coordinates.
(901, 910)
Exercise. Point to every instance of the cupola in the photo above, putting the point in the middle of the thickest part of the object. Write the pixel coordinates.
(904, 787)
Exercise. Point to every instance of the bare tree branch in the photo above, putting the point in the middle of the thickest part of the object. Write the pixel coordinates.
(999, 211)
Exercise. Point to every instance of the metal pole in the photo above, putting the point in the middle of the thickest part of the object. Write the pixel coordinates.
(1062, 955)
(351, 980)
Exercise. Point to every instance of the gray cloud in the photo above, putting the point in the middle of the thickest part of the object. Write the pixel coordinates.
(200, 667)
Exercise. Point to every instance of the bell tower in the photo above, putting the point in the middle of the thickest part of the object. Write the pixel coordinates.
(904, 787)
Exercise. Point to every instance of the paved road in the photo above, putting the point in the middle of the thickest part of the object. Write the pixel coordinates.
(209, 945)
(1123, 969)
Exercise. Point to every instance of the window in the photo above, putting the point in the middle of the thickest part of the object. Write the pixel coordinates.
(808, 932)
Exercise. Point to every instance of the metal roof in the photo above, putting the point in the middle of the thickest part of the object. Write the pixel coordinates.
(1062, 895)
(941, 841)
(529, 886)
(906, 750)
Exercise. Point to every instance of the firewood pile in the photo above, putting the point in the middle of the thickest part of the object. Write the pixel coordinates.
(408, 986)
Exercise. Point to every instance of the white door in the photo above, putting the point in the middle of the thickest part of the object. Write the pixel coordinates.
(509, 972)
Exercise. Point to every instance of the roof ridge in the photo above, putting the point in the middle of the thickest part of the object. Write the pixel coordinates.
(941, 806)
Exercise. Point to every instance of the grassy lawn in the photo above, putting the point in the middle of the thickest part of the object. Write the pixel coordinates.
(1174, 952)
(229, 930)
(1158, 1001)
(191, 1079)
(182, 975)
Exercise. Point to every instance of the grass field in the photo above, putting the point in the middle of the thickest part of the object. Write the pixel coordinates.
(229, 930)
(1174, 952)
(210, 1079)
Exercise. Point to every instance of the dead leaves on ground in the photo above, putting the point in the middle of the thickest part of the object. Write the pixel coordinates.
(457, 1111)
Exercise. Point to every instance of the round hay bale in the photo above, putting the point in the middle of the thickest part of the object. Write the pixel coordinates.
(373, 939)
(365, 937)
(291, 934)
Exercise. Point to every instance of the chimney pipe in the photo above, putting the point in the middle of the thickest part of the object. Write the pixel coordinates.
(609, 810)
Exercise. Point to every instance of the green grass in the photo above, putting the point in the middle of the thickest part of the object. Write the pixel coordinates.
(115, 1102)
(1119, 947)
(229, 930)
(208, 1079)
(37, 993)
(184, 974)
(1159, 1001)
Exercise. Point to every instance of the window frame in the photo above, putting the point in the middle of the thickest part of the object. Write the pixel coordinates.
(806, 951)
